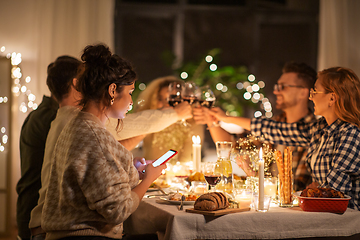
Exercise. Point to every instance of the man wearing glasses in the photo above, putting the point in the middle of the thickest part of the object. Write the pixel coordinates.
(292, 92)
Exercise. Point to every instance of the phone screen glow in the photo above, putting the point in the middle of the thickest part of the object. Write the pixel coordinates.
(163, 158)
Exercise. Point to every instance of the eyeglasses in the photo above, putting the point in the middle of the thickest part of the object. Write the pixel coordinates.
(279, 86)
(313, 92)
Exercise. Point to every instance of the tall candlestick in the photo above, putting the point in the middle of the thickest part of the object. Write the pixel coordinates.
(196, 153)
(261, 181)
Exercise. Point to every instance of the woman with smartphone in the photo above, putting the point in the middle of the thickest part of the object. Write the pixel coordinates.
(94, 185)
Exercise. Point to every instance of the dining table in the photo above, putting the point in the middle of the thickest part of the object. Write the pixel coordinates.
(157, 215)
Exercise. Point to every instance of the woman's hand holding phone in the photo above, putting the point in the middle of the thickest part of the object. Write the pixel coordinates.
(152, 173)
(160, 163)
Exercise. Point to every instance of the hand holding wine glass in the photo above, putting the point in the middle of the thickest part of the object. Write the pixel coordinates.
(206, 96)
(189, 92)
(175, 89)
(211, 176)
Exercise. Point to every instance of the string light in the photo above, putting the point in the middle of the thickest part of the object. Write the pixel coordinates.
(209, 58)
(213, 67)
(184, 75)
(142, 86)
(17, 89)
(219, 86)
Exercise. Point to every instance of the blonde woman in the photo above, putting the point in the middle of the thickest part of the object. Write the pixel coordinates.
(177, 136)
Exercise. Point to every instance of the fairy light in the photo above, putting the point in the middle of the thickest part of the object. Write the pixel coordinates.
(257, 114)
(27, 79)
(256, 96)
(252, 93)
(255, 87)
(249, 89)
(31, 97)
(251, 78)
(239, 85)
(4, 139)
(247, 95)
(142, 86)
(209, 58)
(247, 149)
(261, 84)
(184, 75)
(18, 88)
(213, 67)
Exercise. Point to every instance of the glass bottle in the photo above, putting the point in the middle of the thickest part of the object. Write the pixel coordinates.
(224, 167)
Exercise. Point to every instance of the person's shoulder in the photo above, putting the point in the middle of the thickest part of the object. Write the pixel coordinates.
(348, 127)
(38, 121)
(46, 110)
(91, 124)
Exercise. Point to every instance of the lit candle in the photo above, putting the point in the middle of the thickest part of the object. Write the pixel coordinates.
(270, 187)
(244, 199)
(196, 152)
(261, 181)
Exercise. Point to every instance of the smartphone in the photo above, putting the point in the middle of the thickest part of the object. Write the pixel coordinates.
(164, 158)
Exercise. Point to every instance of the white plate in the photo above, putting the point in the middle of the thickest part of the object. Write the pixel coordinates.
(177, 202)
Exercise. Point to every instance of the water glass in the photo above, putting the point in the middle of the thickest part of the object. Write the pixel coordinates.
(255, 203)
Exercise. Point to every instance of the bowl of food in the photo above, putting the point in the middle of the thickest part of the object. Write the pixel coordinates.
(322, 200)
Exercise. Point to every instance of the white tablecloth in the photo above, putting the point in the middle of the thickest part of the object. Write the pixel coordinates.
(277, 223)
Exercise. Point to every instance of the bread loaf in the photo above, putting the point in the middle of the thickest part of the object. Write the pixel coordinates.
(211, 202)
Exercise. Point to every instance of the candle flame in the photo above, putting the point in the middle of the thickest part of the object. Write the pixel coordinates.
(196, 139)
(261, 154)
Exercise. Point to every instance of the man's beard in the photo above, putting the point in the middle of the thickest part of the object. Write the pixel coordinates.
(284, 105)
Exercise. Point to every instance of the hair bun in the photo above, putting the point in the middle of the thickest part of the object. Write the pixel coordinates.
(96, 55)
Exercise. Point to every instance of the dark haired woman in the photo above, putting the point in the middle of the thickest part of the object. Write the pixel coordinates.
(333, 140)
(94, 185)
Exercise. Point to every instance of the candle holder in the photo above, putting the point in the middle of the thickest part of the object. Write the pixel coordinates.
(270, 187)
(255, 203)
(243, 196)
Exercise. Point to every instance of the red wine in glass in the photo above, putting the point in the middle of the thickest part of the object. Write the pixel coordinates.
(207, 104)
(206, 97)
(174, 100)
(212, 179)
(190, 100)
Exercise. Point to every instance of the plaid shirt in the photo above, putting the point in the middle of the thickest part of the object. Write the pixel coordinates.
(302, 175)
(338, 162)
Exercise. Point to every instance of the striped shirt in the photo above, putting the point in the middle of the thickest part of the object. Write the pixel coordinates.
(337, 163)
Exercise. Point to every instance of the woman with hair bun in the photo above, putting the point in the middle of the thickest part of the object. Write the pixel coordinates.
(332, 140)
(94, 186)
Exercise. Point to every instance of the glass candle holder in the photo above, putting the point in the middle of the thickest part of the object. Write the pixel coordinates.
(255, 202)
(270, 187)
(243, 196)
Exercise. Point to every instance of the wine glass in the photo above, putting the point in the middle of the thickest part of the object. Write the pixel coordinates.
(189, 92)
(175, 89)
(206, 96)
(211, 176)
(175, 96)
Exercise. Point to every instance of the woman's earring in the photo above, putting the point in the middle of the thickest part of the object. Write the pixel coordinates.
(112, 101)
